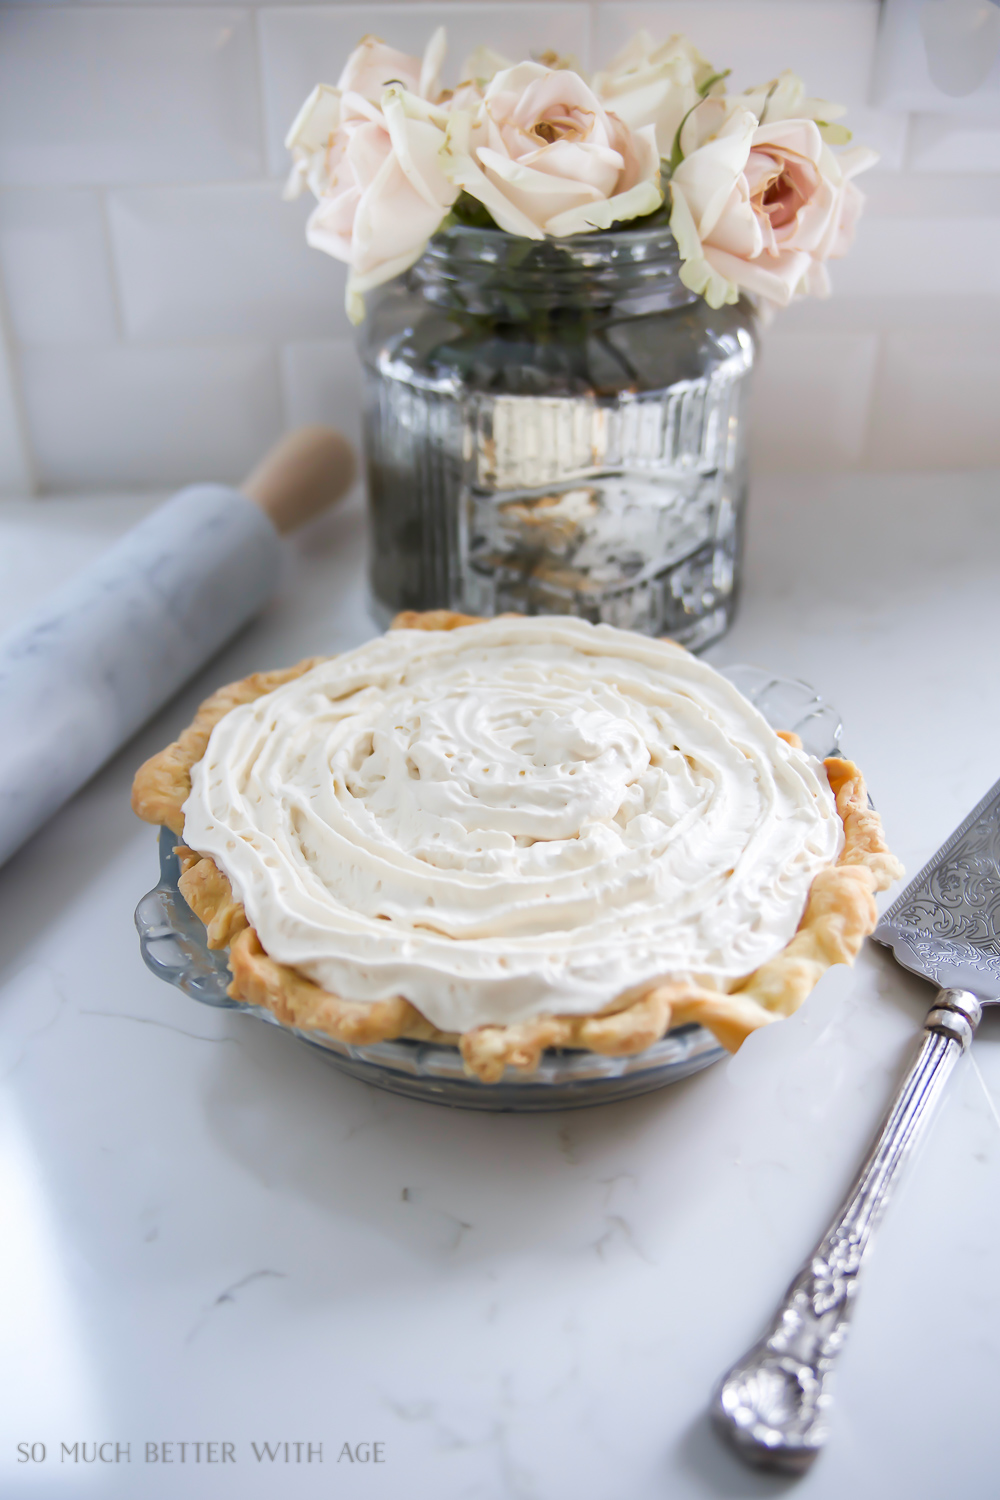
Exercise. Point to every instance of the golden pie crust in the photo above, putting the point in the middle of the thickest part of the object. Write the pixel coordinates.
(839, 915)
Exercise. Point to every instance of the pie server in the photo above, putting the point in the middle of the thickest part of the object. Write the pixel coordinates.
(773, 1405)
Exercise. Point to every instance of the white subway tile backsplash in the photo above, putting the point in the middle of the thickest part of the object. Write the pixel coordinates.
(932, 257)
(902, 78)
(95, 95)
(222, 262)
(881, 314)
(164, 315)
(935, 401)
(810, 400)
(829, 43)
(305, 45)
(16, 470)
(940, 143)
(119, 416)
(321, 382)
(55, 266)
(933, 195)
(885, 132)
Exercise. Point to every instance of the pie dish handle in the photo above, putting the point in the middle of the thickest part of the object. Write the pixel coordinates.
(791, 704)
(773, 1405)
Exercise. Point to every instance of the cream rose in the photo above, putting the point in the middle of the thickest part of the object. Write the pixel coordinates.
(658, 85)
(369, 151)
(544, 156)
(377, 176)
(759, 206)
(759, 200)
(371, 68)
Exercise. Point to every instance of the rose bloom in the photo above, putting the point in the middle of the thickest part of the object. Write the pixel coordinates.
(650, 84)
(544, 156)
(760, 207)
(373, 164)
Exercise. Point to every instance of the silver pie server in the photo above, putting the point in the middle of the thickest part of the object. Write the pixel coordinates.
(774, 1404)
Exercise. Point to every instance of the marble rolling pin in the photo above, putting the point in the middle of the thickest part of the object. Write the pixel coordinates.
(105, 651)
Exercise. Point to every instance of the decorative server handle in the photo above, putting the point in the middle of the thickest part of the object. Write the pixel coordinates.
(773, 1405)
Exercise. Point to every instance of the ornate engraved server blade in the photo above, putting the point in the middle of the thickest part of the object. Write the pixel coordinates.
(946, 924)
(774, 1403)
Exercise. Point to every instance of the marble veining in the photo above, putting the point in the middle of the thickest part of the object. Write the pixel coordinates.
(518, 1308)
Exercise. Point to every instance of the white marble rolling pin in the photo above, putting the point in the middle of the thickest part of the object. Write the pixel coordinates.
(105, 651)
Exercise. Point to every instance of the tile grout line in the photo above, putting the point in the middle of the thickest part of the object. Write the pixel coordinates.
(10, 352)
(258, 68)
(277, 347)
(871, 425)
(114, 270)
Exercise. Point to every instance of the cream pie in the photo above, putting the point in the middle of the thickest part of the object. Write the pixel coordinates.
(514, 834)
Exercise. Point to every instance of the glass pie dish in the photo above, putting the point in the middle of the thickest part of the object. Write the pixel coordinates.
(174, 947)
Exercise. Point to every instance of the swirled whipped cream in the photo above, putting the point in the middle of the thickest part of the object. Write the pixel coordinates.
(523, 816)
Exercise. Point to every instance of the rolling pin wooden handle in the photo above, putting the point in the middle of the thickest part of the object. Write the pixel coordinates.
(304, 473)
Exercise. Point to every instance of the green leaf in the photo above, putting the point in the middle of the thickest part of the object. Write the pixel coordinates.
(676, 154)
(770, 95)
(469, 210)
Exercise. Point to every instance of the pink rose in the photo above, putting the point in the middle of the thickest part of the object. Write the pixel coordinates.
(844, 217)
(760, 207)
(544, 156)
(378, 180)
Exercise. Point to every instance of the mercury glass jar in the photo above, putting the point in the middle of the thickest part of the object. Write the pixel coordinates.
(556, 427)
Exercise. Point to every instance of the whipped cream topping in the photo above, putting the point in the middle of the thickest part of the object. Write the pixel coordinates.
(524, 816)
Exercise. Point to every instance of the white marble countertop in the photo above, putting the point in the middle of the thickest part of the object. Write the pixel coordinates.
(213, 1238)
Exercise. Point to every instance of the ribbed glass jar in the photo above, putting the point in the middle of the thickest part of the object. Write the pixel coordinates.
(555, 427)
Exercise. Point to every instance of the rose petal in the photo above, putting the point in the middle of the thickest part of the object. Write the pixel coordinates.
(354, 106)
(858, 159)
(507, 86)
(372, 66)
(329, 226)
(696, 271)
(462, 171)
(559, 90)
(432, 63)
(535, 193)
(706, 177)
(638, 200)
(316, 121)
(843, 223)
(392, 220)
(367, 149)
(738, 229)
(568, 161)
(640, 155)
(359, 282)
(797, 137)
(775, 277)
(417, 144)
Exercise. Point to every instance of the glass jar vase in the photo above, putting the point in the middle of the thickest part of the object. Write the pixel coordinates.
(556, 427)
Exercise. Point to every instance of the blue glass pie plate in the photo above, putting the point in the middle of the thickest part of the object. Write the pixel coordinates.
(174, 947)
